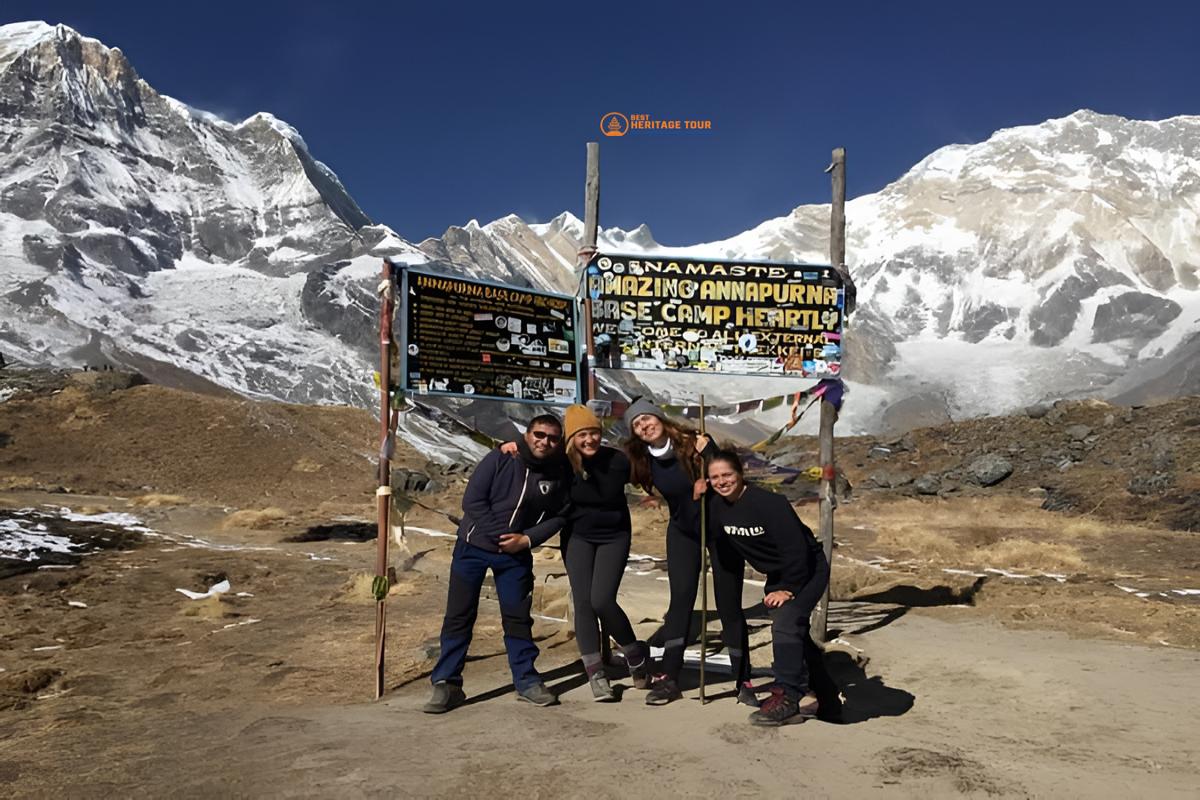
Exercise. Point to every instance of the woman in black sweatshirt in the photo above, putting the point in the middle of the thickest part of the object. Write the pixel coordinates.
(765, 529)
(595, 545)
(670, 458)
(596, 540)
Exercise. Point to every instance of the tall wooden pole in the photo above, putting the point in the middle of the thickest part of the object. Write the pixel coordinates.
(703, 571)
(384, 491)
(591, 224)
(587, 249)
(837, 257)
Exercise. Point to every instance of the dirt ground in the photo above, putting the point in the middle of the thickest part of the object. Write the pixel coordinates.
(1006, 649)
(267, 690)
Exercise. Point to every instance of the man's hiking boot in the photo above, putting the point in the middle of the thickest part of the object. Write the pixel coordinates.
(783, 709)
(602, 691)
(663, 690)
(445, 697)
(537, 694)
(746, 695)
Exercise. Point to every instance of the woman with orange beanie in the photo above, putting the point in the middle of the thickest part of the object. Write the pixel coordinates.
(595, 545)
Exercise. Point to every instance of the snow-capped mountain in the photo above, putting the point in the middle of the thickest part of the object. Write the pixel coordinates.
(1049, 259)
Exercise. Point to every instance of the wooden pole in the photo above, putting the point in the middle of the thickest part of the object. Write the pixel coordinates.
(837, 257)
(383, 493)
(591, 225)
(703, 572)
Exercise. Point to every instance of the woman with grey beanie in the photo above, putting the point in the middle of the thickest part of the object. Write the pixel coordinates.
(669, 458)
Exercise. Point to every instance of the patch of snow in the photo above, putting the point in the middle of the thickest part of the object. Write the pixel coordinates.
(214, 590)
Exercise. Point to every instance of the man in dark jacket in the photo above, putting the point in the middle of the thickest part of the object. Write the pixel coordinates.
(510, 505)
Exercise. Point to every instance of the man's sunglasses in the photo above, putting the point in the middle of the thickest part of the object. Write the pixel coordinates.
(552, 438)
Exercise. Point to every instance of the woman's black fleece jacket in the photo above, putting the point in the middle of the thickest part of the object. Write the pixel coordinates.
(671, 480)
(599, 510)
(765, 529)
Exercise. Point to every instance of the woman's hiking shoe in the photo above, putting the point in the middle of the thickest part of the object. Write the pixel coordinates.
(537, 694)
(746, 695)
(783, 709)
(643, 673)
(663, 690)
(445, 697)
(602, 691)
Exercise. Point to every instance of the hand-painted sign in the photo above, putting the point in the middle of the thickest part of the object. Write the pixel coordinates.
(485, 340)
(740, 318)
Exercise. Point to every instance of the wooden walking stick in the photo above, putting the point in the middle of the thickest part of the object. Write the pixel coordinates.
(703, 571)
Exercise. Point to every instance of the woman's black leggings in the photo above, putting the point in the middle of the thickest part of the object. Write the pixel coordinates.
(683, 570)
(595, 572)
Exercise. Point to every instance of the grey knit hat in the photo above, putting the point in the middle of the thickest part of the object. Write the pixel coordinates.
(637, 408)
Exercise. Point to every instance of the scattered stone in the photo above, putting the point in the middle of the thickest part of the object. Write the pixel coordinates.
(929, 483)
(1157, 483)
(1037, 411)
(1078, 432)
(404, 480)
(990, 469)
(1055, 415)
(890, 478)
(1058, 500)
(878, 451)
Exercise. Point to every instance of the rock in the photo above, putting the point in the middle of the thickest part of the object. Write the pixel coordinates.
(1078, 432)
(1057, 500)
(879, 451)
(1055, 415)
(929, 483)
(989, 470)
(889, 478)
(1158, 483)
(1037, 411)
(794, 458)
(905, 444)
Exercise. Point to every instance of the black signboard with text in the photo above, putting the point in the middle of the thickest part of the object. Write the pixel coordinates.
(728, 317)
(467, 338)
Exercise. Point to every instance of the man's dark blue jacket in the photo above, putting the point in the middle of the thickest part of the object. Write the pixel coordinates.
(515, 495)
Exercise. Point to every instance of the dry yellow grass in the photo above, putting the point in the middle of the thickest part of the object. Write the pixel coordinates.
(848, 578)
(155, 500)
(1002, 533)
(1023, 554)
(254, 519)
(208, 608)
(358, 588)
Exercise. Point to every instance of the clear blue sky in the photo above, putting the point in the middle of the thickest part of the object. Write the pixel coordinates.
(436, 113)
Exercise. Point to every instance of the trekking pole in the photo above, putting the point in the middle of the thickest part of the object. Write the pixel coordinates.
(703, 571)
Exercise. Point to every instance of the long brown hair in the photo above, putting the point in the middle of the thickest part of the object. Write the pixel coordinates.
(683, 440)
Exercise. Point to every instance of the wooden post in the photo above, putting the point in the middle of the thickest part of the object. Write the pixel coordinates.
(837, 257)
(703, 572)
(383, 493)
(587, 249)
